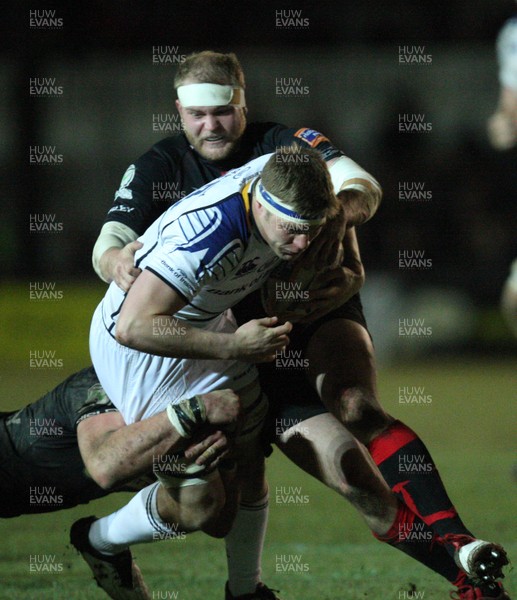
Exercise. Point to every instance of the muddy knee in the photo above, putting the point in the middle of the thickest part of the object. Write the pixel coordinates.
(191, 508)
(360, 412)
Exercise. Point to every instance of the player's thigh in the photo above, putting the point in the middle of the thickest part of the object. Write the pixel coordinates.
(340, 355)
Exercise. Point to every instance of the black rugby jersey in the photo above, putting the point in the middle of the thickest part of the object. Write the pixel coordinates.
(172, 169)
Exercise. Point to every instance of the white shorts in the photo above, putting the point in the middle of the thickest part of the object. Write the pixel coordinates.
(141, 385)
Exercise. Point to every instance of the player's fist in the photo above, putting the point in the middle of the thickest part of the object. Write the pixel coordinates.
(223, 407)
(260, 339)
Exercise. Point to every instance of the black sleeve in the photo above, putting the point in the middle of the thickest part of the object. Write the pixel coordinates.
(144, 192)
(280, 135)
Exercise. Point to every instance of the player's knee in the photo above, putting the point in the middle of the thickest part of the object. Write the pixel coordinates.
(360, 412)
(207, 511)
(355, 404)
(196, 513)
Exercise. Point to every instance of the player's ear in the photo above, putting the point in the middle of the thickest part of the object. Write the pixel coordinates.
(178, 106)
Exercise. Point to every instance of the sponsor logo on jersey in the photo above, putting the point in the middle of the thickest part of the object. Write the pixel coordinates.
(121, 207)
(248, 266)
(127, 178)
(310, 136)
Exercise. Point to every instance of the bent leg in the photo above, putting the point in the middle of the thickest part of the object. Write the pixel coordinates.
(324, 449)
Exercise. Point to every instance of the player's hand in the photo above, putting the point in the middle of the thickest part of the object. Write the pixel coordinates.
(223, 407)
(210, 450)
(118, 265)
(333, 287)
(260, 339)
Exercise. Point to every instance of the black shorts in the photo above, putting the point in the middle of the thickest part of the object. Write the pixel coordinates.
(292, 399)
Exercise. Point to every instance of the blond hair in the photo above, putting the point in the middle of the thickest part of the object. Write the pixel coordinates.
(210, 67)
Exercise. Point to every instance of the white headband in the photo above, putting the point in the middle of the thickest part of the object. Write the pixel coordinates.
(279, 208)
(210, 94)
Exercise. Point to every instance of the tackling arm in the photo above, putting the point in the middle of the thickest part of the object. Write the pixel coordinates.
(359, 191)
(150, 298)
(113, 254)
(115, 453)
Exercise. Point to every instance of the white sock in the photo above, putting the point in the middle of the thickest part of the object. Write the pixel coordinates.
(135, 523)
(244, 546)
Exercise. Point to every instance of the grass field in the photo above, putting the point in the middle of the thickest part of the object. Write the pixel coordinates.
(469, 425)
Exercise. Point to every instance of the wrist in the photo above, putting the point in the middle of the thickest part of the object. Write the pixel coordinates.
(106, 263)
(187, 415)
(229, 347)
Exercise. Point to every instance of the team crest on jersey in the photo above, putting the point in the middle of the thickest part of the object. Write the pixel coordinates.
(127, 178)
(310, 136)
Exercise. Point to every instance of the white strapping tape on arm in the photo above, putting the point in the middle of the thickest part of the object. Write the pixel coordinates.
(344, 169)
(112, 235)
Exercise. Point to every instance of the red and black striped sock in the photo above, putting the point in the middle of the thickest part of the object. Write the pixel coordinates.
(409, 470)
(413, 537)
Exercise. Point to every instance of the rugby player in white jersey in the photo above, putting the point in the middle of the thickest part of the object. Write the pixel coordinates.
(200, 258)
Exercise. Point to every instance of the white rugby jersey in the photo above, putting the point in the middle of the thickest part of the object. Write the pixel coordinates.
(207, 248)
(507, 54)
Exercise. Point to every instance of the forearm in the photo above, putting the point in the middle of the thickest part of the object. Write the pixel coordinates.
(351, 253)
(164, 335)
(112, 238)
(359, 192)
(127, 453)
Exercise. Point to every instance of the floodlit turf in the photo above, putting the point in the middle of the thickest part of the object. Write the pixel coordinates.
(317, 547)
